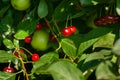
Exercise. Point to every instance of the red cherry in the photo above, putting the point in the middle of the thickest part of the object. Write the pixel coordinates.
(38, 26)
(106, 19)
(16, 53)
(100, 21)
(66, 31)
(35, 57)
(52, 38)
(28, 39)
(110, 18)
(73, 29)
(21, 50)
(8, 69)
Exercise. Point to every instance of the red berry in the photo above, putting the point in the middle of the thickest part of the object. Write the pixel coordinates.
(35, 57)
(109, 18)
(66, 31)
(8, 69)
(52, 38)
(106, 19)
(21, 50)
(16, 53)
(38, 26)
(73, 29)
(100, 21)
(28, 39)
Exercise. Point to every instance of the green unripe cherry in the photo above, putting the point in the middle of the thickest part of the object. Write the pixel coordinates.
(40, 40)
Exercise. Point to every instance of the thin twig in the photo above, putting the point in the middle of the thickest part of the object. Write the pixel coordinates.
(53, 33)
(23, 67)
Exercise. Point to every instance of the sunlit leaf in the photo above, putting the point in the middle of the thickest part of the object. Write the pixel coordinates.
(116, 47)
(25, 28)
(65, 70)
(105, 41)
(68, 47)
(91, 37)
(7, 76)
(5, 56)
(21, 34)
(103, 72)
(45, 61)
(118, 6)
(8, 43)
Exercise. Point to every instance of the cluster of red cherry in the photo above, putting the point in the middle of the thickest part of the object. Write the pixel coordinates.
(39, 26)
(28, 39)
(106, 19)
(35, 56)
(67, 31)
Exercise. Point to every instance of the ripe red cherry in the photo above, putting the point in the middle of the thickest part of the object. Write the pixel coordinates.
(110, 18)
(16, 53)
(66, 31)
(38, 26)
(35, 57)
(8, 69)
(100, 21)
(28, 39)
(73, 29)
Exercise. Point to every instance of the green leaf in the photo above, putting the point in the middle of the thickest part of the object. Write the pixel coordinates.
(0, 40)
(107, 41)
(42, 9)
(94, 56)
(61, 11)
(91, 37)
(92, 2)
(86, 2)
(3, 10)
(25, 28)
(45, 61)
(65, 70)
(116, 48)
(68, 47)
(8, 19)
(85, 45)
(103, 72)
(16, 43)
(7, 76)
(8, 43)
(79, 14)
(21, 34)
(93, 59)
(90, 21)
(5, 56)
(118, 7)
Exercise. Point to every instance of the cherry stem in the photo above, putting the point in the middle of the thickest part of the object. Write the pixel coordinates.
(56, 27)
(26, 50)
(67, 21)
(71, 59)
(70, 21)
(23, 67)
(9, 64)
(19, 72)
(65, 56)
(53, 33)
(114, 8)
(28, 62)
